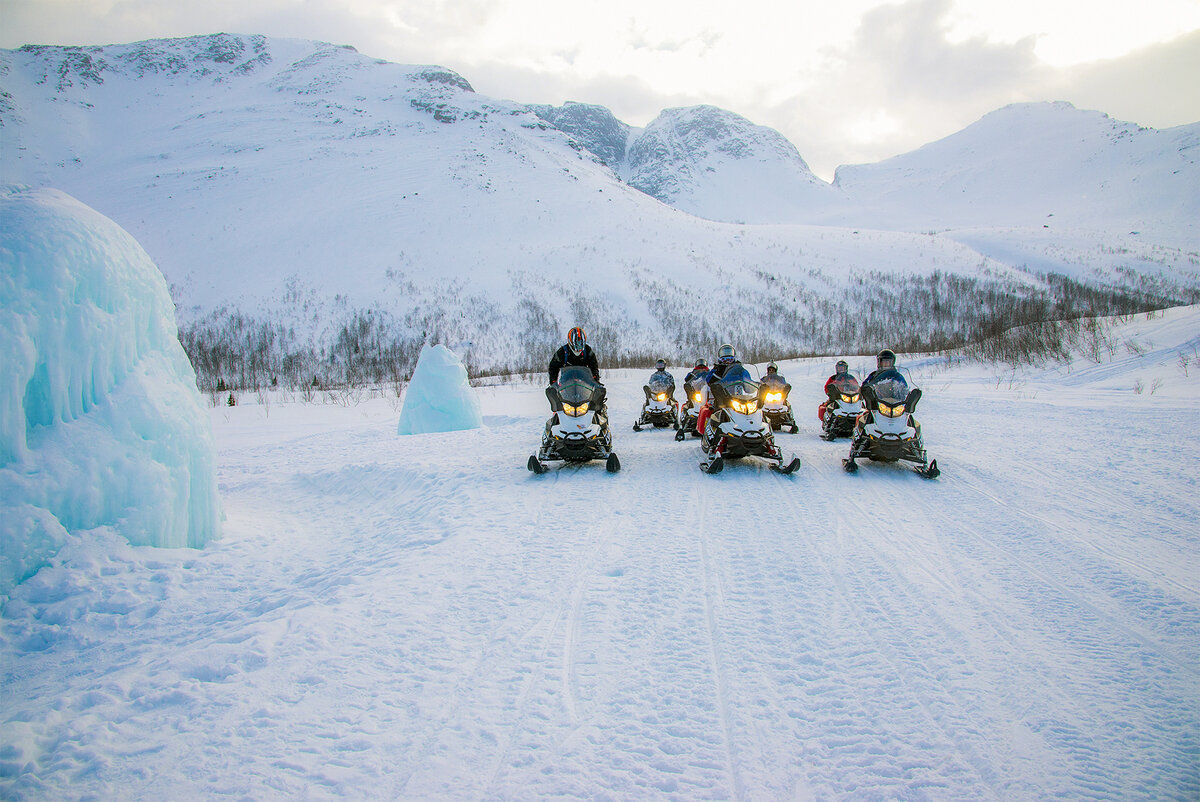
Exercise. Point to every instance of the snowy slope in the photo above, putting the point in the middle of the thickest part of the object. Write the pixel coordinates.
(308, 184)
(1037, 164)
(419, 617)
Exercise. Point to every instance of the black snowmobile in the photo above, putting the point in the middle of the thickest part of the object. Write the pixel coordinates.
(889, 432)
(659, 408)
(736, 427)
(843, 407)
(578, 429)
(777, 410)
(694, 399)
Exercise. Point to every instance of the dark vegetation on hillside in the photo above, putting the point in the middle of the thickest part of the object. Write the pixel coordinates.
(982, 318)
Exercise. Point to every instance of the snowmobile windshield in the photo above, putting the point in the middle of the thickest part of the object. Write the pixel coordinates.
(576, 385)
(737, 383)
(661, 383)
(773, 380)
(890, 387)
(845, 383)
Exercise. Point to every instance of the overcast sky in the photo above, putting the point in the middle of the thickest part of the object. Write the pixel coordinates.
(847, 81)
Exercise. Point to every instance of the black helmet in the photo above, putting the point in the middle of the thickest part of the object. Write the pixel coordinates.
(726, 355)
(772, 367)
(660, 365)
(576, 340)
(841, 367)
(888, 356)
(700, 363)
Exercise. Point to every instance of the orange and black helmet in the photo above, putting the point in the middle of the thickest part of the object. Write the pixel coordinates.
(576, 340)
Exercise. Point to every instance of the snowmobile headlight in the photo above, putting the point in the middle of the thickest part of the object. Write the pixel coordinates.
(744, 407)
(774, 398)
(575, 412)
(891, 412)
(850, 399)
(699, 398)
(661, 396)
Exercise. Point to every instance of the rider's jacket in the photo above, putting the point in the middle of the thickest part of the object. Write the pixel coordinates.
(565, 356)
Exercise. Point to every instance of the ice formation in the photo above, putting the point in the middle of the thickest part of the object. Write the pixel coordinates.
(101, 423)
(439, 397)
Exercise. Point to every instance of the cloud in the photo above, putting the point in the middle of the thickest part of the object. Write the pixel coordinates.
(1155, 86)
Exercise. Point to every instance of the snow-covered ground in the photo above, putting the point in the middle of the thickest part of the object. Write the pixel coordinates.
(419, 617)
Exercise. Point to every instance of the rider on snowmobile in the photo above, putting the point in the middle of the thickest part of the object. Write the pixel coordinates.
(885, 369)
(841, 370)
(660, 377)
(701, 369)
(575, 352)
(774, 378)
(885, 360)
(660, 372)
(726, 358)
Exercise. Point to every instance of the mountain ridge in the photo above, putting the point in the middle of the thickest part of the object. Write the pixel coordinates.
(307, 187)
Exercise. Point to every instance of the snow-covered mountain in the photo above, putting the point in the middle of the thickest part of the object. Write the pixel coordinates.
(594, 127)
(704, 160)
(350, 199)
(1037, 164)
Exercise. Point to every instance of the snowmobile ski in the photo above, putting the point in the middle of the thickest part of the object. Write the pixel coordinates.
(680, 435)
(612, 465)
(849, 466)
(786, 468)
(536, 465)
(931, 471)
(713, 464)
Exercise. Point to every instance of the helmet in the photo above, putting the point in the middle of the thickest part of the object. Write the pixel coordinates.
(700, 363)
(841, 367)
(888, 356)
(772, 367)
(576, 340)
(660, 365)
(726, 355)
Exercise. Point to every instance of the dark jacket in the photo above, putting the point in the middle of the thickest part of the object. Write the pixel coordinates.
(565, 356)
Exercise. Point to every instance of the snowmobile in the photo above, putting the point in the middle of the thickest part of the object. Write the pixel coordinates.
(659, 409)
(888, 432)
(578, 429)
(736, 427)
(842, 409)
(694, 391)
(777, 410)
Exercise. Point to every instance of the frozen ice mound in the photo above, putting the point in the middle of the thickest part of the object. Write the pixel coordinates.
(439, 398)
(101, 423)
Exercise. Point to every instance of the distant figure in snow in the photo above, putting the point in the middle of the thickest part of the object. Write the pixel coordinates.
(699, 371)
(841, 370)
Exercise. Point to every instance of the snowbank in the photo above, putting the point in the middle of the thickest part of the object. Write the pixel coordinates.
(439, 397)
(100, 420)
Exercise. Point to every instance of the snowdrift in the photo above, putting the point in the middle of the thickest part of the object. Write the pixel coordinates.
(100, 420)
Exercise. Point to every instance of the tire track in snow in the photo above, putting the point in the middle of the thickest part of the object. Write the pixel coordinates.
(713, 600)
(849, 574)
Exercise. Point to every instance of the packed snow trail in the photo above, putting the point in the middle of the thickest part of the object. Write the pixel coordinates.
(420, 617)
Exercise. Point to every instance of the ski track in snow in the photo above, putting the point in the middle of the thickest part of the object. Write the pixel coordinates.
(421, 618)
